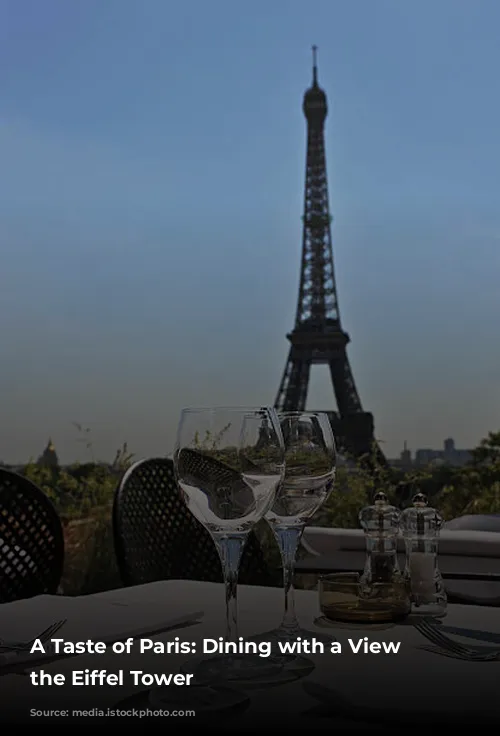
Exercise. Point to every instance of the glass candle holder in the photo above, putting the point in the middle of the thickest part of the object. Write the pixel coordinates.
(346, 597)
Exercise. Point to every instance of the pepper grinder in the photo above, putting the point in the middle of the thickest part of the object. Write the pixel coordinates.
(380, 523)
(421, 525)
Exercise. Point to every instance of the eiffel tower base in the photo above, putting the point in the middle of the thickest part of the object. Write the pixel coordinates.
(353, 433)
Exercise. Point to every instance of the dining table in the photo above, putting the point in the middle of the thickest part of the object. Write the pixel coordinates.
(412, 680)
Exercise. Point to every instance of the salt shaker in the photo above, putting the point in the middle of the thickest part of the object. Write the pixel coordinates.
(420, 525)
(380, 523)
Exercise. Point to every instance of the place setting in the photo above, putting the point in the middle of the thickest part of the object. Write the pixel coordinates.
(224, 478)
(235, 467)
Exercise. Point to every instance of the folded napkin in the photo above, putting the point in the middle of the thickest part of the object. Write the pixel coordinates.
(86, 618)
(7, 657)
(98, 621)
(11, 659)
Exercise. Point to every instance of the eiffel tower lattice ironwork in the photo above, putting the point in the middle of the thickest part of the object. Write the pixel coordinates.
(317, 337)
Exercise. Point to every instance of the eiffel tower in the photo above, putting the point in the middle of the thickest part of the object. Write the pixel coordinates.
(318, 337)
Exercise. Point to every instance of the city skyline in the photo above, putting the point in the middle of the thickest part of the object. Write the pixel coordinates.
(150, 210)
(420, 456)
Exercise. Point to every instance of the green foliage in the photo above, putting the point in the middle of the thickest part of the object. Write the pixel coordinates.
(232, 456)
(488, 452)
(83, 494)
(210, 442)
(74, 490)
(473, 489)
(77, 489)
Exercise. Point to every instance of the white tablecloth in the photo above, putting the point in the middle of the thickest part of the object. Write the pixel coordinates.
(411, 675)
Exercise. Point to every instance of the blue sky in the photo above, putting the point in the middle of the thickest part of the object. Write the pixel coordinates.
(150, 199)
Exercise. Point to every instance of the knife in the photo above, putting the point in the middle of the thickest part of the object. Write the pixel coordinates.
(489, 636)
(335, 704)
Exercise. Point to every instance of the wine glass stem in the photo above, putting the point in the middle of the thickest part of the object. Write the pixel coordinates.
(288, 539)
(230, 548)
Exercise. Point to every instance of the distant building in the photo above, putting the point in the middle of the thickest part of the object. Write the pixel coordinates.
(404, 461)
(49, 458)
(449, 455)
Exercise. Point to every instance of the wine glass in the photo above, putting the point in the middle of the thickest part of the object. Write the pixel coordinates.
(310, 457)
(229, 464)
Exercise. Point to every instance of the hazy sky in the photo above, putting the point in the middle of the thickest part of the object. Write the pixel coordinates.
(151, 184)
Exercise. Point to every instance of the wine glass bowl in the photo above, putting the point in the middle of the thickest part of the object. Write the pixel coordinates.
(229, 477)
(310, 468)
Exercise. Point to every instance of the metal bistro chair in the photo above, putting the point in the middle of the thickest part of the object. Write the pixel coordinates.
(31, 540)
(157, 538)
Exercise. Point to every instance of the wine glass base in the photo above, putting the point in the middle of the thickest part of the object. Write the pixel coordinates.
(205, 701)
(281, 636)
(233, 669)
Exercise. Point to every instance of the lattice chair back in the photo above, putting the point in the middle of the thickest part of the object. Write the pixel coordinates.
(158, 538)
(31, 540)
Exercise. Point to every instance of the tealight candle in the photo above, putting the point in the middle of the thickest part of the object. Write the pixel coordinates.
(422, 568)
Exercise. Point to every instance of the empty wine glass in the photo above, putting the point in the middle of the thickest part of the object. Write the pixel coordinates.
(309, 477)
(229, 464)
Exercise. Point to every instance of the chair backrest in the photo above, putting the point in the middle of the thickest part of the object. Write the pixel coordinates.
(157, 538)
(31, 540)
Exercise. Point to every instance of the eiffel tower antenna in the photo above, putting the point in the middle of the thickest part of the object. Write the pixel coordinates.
(315, 64)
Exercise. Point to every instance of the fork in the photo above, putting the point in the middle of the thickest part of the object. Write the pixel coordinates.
(482, 657)
(428, 628)
(21, 646)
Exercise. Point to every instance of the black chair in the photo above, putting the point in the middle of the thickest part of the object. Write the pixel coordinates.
(31, 540)
(157, 538)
